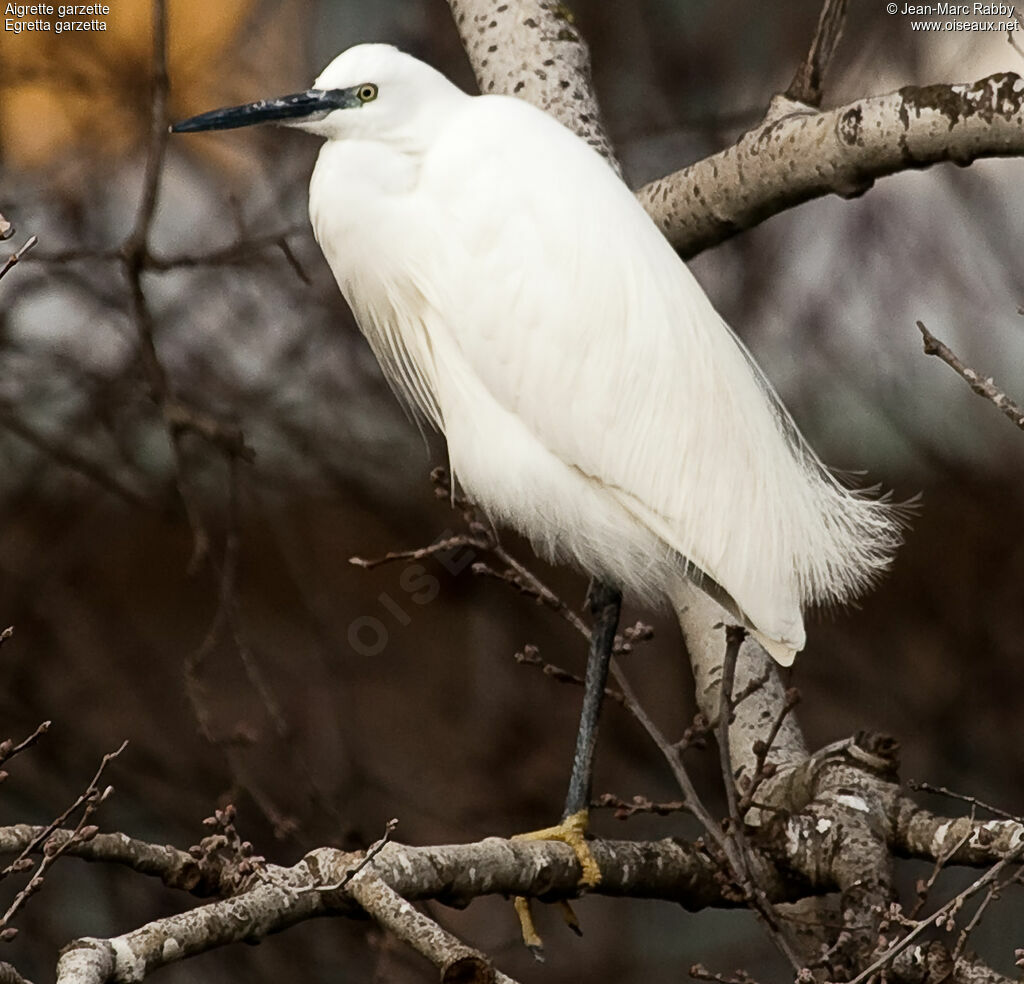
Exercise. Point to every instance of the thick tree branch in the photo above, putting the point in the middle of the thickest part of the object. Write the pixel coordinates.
(322, 884)
(797, 153)
(919, 833)
(531, 49)
(175, 868)
(701, 618)
(456, 961)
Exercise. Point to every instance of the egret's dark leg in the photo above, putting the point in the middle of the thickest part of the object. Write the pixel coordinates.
(604, 601)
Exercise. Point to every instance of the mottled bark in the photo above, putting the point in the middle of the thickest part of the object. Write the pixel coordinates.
(531, 49)
(798, 153)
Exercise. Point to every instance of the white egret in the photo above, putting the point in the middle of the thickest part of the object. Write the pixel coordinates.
(519, 299)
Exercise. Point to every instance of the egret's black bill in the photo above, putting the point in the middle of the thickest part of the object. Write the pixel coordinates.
(312, 104)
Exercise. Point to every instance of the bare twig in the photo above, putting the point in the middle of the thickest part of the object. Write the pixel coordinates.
(17, 255)
(530, 656)
(624, 809)
(756, 683)
(371, 852)
(991, 894)
(7, 748)
(1010, 35)
(806, 86)
(734, 636)
(927, 787)
(763, 769)
(244, 250)
(53, 848)
(700, 973)
(134, 252)
(443, 545)
(983, 387)
(181, 419)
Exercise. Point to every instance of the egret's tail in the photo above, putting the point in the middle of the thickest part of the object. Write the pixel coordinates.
(782, 640)
(779, 651)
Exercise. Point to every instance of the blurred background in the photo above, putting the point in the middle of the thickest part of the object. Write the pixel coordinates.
(324, 699)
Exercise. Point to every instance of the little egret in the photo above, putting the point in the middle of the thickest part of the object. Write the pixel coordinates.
(519, 299)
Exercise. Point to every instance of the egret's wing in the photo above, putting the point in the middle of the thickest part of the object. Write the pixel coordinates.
(578, 317)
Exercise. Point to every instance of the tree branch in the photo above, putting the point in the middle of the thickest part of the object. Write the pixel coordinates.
(321, 885)
(797, 153)
(531, 49)
(919, 833)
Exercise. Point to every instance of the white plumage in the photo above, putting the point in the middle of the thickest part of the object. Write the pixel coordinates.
(521, 300)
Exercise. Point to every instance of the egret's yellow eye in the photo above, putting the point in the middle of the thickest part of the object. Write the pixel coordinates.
(367, 93)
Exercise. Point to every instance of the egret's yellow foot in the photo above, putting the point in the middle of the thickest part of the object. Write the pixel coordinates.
(531, 938)
(572, 831)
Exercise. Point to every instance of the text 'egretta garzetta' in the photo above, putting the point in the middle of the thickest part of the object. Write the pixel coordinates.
(520, 299)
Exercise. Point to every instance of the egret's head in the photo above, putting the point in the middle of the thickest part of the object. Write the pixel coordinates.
(371, 90)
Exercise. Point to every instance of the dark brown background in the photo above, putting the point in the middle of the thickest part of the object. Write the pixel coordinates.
(440, 728)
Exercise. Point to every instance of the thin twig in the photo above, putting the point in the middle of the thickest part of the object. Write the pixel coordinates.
(927, 787)
(753, 686)
(807, 84)
(17, 255)
(734, 636)
(7, 748)
(763, 769)
(371, 852)
(530, 656)
(624, 809)
(422, 553)
(134, 252)
(138, 239)
(1010, 32)
(700, 973)
(983, 387)
(991, 895)
(242, 251)
(89, 801)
